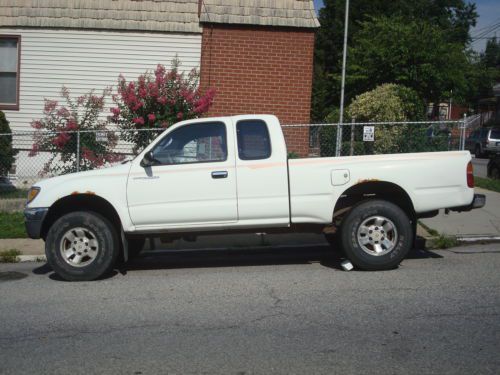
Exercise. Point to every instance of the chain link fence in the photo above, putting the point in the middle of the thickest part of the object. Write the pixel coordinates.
(368, 138)
(40, 154)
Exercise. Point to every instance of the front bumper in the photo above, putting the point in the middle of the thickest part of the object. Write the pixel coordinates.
(478, 202)
(33, 220)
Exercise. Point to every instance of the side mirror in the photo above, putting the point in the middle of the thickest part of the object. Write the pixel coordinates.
(148, 160)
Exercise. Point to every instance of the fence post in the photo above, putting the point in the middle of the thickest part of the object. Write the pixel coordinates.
(462, 134)
(338, 145)
(78, 151)
(351, 152)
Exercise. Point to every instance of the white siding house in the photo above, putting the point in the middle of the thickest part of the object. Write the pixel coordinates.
(86, 45)
(84, 60)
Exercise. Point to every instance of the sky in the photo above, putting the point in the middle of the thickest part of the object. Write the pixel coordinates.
(489, 13)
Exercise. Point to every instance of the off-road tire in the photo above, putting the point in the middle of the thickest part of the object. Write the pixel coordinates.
(104, 235)
(352, 247)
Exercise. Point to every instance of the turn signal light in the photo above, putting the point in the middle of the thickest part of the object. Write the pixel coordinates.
(32, 193)
(470, 175)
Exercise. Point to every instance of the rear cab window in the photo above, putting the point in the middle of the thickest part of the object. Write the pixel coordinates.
(253, 140)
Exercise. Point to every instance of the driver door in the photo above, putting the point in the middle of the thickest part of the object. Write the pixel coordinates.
(191, 183)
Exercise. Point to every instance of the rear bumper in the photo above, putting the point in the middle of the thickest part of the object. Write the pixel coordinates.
(478, 202)
(33, 220)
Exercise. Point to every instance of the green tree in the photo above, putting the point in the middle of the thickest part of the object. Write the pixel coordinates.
(7, 153)
(412, 53)
(483, 72)
(453, 17)
(491, 56)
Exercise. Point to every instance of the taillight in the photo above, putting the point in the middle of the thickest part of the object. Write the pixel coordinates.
(470, 175)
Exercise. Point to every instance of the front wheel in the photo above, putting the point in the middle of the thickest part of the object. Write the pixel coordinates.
(82, 246)
(376, 235)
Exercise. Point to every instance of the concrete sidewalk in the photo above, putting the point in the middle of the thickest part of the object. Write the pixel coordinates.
(480, 222)
(484, 221)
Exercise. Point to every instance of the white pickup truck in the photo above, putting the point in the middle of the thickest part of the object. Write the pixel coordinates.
(232, 175)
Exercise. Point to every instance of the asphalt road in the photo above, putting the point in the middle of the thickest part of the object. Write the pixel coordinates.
(290, 311)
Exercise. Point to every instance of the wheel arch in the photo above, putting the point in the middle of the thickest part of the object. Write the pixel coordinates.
(81, 202)
(384, 190)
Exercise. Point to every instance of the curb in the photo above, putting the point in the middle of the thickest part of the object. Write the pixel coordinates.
(470, 238)
(32, 258)
(429, 242)
(462, 239)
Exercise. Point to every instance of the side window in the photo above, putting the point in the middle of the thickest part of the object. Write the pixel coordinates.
(195, 143)
(253, 140)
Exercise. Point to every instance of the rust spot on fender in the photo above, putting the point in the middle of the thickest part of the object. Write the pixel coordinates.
(89, 192)
(75, 193)
(368, 180)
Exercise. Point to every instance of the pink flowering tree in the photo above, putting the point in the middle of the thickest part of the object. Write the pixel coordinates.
(156, 101)
(57, 132)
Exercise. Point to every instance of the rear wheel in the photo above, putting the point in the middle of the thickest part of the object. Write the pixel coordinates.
(376, 235)
(82, 246)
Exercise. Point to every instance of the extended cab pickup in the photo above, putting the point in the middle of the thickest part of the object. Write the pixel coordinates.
(232, 174)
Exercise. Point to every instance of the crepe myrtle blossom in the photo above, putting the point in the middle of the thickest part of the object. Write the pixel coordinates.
(56, 134)
(156, 100)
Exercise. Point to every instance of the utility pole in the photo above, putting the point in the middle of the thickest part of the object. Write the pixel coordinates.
(344, 59)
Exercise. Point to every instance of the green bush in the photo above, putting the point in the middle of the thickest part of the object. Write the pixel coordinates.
(7, 153)
(390, 103)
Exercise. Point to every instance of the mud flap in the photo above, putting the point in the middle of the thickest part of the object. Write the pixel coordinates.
(124, 244)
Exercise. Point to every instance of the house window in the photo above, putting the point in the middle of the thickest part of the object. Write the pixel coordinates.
(10, 46)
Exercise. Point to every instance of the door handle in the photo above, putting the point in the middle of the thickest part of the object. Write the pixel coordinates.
(219, 174)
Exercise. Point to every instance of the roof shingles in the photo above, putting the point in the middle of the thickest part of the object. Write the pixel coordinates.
(293, 13)
(155, 15)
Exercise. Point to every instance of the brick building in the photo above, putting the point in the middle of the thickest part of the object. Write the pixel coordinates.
(259, 58)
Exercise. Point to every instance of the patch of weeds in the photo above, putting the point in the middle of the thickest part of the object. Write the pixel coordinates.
(444, 242)
(487, 183)
(431, 231)
(9, 256)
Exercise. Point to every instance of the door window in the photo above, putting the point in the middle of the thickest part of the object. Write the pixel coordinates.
(194, 143)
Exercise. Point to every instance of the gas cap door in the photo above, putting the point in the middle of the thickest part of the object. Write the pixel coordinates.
(340, 177)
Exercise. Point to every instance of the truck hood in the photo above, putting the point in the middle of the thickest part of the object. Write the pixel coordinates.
(108, 183)
(121, 169)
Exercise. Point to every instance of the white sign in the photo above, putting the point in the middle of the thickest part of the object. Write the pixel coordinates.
(368, 133)
(101, 136)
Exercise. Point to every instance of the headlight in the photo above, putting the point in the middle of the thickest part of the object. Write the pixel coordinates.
(32, 193)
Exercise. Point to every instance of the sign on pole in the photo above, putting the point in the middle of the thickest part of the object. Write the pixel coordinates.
(368, 133)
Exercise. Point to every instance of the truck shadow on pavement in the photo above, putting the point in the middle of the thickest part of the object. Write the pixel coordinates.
(235, 257)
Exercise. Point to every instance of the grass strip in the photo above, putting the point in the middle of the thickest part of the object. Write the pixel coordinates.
(12, 225)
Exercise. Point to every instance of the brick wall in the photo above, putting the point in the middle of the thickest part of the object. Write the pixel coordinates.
(262, 70)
